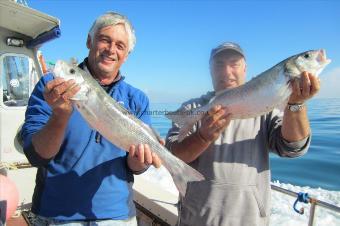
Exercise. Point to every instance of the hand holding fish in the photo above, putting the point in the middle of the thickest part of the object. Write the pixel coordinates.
(295, 125)
(305, 88)
(213, 123)
(58, 93)
(141, 157)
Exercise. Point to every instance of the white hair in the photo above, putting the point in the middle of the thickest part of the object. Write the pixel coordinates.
(111, 19)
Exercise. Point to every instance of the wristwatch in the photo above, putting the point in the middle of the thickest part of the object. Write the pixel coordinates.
(295, 107)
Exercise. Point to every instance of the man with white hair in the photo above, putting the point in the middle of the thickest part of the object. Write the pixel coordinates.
(82, 178)
(233, 155)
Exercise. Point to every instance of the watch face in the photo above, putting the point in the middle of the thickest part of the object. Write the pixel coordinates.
(295, 108)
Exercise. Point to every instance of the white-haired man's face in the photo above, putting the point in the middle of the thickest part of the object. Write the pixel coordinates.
(228, 70)
(108, 50)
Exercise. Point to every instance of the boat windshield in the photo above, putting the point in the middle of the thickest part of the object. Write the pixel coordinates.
(18, 79)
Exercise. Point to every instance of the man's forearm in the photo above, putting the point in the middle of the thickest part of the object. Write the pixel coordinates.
(48, 140)
(190, 148)
(295, 125)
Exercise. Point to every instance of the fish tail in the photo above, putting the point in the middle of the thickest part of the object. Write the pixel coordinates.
(186, 119)
(182, 174)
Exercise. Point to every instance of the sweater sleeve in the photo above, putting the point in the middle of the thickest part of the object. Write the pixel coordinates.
(37, 114)
(278, 144)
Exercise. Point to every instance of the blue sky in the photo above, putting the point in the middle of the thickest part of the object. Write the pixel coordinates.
(174, 38)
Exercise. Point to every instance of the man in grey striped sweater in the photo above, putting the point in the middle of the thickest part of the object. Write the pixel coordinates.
(233, 155)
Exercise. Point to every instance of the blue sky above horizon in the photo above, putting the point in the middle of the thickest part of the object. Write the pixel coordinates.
(174, 38)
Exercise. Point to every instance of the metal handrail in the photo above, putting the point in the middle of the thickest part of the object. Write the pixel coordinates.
(313, 201)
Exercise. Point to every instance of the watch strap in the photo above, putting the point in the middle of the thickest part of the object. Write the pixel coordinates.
(294, 107)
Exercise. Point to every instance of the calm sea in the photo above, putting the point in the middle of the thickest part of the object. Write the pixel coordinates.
(320, 167)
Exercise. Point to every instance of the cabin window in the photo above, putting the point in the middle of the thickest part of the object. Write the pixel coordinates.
(18, 78)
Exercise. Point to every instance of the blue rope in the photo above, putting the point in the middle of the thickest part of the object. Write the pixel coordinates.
(302, 197)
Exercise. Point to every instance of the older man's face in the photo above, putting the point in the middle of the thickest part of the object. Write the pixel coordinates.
(228, 70)
(108, 50)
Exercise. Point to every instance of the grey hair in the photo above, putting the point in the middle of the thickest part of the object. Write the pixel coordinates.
(110, 19)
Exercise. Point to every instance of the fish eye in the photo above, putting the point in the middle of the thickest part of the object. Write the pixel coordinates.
(72, 71)
(306, 56)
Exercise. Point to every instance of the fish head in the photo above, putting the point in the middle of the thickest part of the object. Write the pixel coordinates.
(313, 61)
(68, 71)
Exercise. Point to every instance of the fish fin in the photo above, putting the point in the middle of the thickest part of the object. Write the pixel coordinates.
(175, 116)
(183, 131)
(186, 119)
(182, 174)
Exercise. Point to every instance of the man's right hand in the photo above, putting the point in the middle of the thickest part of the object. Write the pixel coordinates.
(214, 123)
(57, 94)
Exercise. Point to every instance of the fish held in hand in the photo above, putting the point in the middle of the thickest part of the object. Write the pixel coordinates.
(271, 89)
(118, 125)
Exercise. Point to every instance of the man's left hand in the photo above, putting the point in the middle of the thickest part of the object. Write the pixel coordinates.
(141, 156)
(305, 88)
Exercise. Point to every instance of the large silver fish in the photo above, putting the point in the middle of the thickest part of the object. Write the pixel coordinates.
(271, 89)
(118, 125)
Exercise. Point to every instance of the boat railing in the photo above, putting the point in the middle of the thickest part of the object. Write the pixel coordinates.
(303, 197)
